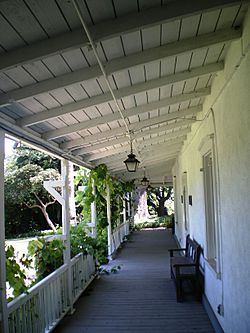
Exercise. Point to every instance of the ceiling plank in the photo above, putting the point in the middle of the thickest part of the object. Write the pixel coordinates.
(126, 148)
(109, 29)
(116, 65)
(126, 113)
(87, 150)
(90, 139)
(120, 156)
(123, 92)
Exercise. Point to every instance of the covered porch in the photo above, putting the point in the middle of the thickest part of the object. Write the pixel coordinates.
(93, 81)
(140, 297)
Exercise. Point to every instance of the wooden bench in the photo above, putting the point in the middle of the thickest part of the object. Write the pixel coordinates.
(186, 267)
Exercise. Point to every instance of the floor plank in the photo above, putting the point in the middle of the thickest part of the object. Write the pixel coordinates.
(140, 297)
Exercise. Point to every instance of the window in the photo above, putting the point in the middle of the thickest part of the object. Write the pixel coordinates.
(210, 197)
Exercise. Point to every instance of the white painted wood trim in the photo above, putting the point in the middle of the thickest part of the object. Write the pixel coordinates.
(109, 29)
(3, 302)
(123, 92)
(119, 64)
(134, 127)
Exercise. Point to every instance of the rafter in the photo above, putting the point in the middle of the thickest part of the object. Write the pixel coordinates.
(126, 113)
(141, 146)
(160, 155)
(116, 65)
(120, 156)
(109, 143)
(134, 127)
(123, 92)
(109, 29)
(147, 131)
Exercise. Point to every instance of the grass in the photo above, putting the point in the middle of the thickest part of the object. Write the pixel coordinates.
(155, 222)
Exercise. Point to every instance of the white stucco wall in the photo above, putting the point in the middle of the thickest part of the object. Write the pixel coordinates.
(230, 101)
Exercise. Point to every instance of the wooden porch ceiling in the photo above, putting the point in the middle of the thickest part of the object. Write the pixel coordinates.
(160, 57)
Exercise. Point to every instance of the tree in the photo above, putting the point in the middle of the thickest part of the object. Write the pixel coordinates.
(25, 173)
(157, 198)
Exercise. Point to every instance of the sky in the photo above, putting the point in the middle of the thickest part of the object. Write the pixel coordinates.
(8, 147)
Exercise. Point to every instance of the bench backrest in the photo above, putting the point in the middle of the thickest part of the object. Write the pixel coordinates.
(193, 250)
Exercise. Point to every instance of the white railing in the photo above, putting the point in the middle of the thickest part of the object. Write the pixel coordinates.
(46, 303)
(118, 235)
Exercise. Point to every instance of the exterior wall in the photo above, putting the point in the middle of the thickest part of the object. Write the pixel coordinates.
(229, 121)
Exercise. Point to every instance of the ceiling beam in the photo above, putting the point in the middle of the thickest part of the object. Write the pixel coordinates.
(146, 145)
(163, 103)
(126, 113)
(123, 148)
(166, 152)
(123, 92)
(163, 159)
(134, 127)
(163, 169)
(116, 65)
(109, 143)
(120, 156)
(147, 131)
(108, 29)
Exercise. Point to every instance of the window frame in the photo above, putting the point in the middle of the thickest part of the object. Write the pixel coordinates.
(212, 249)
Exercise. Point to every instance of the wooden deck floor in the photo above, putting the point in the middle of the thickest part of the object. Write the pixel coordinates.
(140, 298)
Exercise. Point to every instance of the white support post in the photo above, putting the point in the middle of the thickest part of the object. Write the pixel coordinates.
(72, 203)
(129, 204)
(3, 302)
(132, 208)
(93, 212)
(124, 207)
(109, 224)
(66, 227)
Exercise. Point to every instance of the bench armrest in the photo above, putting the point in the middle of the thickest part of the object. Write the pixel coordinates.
(175, 250)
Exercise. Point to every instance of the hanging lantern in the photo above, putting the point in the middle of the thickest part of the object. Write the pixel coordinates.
(131, 162)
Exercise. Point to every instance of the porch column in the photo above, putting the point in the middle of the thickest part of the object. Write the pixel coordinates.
(66, 225)
(109, 223)
(129, 204)
(3, 301)
(93, 211)
(124, 207)
(72, 204)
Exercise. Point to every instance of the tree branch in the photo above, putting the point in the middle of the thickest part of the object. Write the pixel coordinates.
(49, 203)
(42, 204)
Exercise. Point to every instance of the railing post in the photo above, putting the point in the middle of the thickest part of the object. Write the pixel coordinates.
(3, 302)
(93, 211)
(110, 248)
(66, 227)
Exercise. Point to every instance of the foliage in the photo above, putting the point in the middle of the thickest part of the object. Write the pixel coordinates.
(24, 177)
(157, 199)
(24, 155)
(101, 179)
(48, 256)
(164, 221)
(15, 274)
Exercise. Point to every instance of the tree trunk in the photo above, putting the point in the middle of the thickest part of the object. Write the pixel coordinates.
(162, 211)
(141, 205)
(48, 220)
